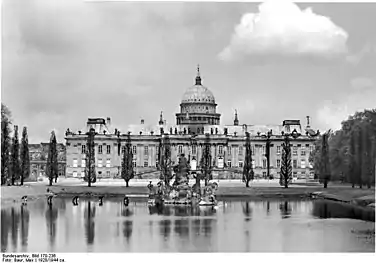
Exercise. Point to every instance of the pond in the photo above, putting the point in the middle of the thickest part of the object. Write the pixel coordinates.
(234, 226)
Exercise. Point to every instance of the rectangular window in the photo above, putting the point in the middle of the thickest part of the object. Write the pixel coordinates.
(146, 164)
(99, 162)
(240, 164)
(240, 150)
(180, 149)
(311, 148)
(108, 173)
(263, 150)
(264, 174)
(194, 149)
(302, 151)
(253, 163)
(83, 163)
(229, 150)
(278, 149)
(134, 163)
(253, 150)
(83, 149)
(108, 163)
(263, 163)
(302, 164)
(122, 149)
(100, 149)
(134, 149)
(295, 163)
(229, 164)
(75, 162)
(220, 149)
(82, 174)
(295, 150)
(146, 150)
(108, 149)
(278, 163)
(295, 174)
(75, 174)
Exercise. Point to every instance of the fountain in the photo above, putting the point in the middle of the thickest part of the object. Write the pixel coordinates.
(180, 192)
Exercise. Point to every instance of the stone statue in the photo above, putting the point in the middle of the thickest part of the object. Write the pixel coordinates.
(181, 172)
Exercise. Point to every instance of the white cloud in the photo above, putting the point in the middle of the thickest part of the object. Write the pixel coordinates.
(330, 115)
(282, 27)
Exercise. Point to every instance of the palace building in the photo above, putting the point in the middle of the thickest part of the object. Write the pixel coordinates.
(198, 116)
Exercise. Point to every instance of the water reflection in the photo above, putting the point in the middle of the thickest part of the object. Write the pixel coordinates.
(51, 217)
(165, 228)
(247, 211)
(181, 227)
(127, 224)
(329, 209)
(207, 225)
(14, 221)
(285, 209)
(89, 225)
(25, 219)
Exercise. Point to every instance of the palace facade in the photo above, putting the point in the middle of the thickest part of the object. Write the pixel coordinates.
(198, 116)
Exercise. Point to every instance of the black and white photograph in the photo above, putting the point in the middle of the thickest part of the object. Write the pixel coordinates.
(187, 127)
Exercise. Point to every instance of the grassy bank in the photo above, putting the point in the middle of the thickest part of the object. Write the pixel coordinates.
(12, 194)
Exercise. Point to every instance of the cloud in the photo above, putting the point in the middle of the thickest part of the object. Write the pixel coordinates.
(331, 114)
(368, 50)
(281, 27)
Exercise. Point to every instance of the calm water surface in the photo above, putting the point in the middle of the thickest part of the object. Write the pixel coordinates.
(235, 226)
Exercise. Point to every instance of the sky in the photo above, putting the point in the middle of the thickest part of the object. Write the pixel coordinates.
(66, 60)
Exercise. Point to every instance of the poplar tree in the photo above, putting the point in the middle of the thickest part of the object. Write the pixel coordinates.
(286, 168)
(127, 171)
(206, 167)
(52, 165)
(5, 143)
(90, 174)
(25, 161)
(324, 175)
(165, 159)
(15, 156)
(248, 173)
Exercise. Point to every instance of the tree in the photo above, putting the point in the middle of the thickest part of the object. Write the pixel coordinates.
(267, 153)
(286, 168)
(127, 172)
(325, 162)
(90, 174)
(15, 156)
(5, 143)
(52, 165)
(25, 161)
(351, 150)
(352, 161)
(206, 167)
(248, 173)
(165, 163)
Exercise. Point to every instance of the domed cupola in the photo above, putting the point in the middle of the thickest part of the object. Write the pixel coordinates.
(199, 102)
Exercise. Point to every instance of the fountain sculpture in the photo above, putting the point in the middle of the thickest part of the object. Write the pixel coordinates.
(180, 192)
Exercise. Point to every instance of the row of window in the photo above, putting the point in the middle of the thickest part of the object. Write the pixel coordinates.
(146, 164)
(264, 164)
(100, 163)
(194, 149)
